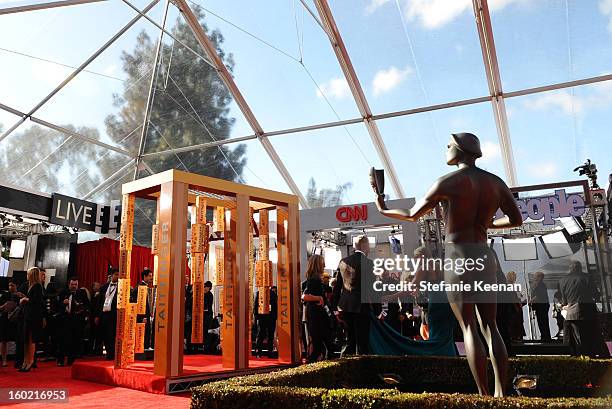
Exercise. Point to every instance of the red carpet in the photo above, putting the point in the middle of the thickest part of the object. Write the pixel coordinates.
(140, 375)
(83, 394)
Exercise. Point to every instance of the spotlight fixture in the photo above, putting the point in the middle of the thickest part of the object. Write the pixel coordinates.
(523, 383)
(390, 378)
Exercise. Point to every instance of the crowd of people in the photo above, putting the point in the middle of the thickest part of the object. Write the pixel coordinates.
(47, 323)
(338, 317)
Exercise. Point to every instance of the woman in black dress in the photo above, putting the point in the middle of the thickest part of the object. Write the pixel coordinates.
(33, 309)
(317, 317)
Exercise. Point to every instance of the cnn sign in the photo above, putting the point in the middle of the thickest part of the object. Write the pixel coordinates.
(351, 214)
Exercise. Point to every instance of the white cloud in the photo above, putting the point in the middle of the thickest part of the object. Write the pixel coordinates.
(374, 5)
(433, 14)
(556, 100)
(336, 88)
(596, 96)
(386, 80)
(490, 152)
(544, 170)
(605, 6)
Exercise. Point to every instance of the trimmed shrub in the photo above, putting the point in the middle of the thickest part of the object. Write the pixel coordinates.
(353, 383)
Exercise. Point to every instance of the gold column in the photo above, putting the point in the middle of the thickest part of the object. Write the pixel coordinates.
(199, 248)
(170, 306)
(123, 285)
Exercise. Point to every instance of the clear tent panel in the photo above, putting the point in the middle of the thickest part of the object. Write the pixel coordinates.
(191, 104)
(411, 54)
(283, 62)
(418, 143)
(554, 132)
(58, 40)
(49, 161)
(245, 162)
(551, 41)
(334, 161)
(111, 106)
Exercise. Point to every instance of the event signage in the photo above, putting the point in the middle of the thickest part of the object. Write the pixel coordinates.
(84, 215)
(352, 214)
(549, 208)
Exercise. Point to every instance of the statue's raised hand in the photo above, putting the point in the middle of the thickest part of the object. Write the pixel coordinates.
(377, 181)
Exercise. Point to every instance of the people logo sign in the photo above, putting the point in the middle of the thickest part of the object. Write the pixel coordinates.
(549, 208)
(352, 215)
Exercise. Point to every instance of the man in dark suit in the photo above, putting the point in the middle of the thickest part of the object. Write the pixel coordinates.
(146, 279)
(208, 316)
(580, 329)
(541, 305)
(107, 313)
(266, 323)
(355, 270)
(73, 307)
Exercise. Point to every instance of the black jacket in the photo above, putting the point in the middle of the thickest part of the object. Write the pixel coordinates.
(102, 299)
(355, 271)
(579, 294)
(80, 303)
(273, 306)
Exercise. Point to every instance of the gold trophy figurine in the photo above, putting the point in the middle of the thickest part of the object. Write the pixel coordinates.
(377, 181)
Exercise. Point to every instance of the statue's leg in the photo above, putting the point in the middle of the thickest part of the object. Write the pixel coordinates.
(476, 354)
(497, 349)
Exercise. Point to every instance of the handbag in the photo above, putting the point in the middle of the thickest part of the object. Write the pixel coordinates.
(17, 314)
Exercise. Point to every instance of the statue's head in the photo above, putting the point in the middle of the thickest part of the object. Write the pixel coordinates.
(463, 148)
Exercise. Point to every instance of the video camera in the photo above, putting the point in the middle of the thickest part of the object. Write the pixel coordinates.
(590, 170)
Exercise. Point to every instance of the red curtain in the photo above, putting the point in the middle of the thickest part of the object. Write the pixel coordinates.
(94, 257)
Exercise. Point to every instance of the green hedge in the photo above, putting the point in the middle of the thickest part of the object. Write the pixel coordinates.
(348, 383)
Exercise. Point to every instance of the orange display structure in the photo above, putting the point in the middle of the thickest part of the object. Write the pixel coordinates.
(174, 191)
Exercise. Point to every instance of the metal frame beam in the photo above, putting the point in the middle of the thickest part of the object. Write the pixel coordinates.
(109, 179)
(151, 93)
(66, 131)
(78, 70)
(489, 56)
(228, 80)
(43, 6)
(346, 65)
(464, 102)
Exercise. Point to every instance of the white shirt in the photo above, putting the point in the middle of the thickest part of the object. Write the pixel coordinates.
(110, 293)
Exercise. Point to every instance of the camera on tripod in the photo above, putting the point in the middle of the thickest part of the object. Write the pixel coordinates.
(590, 170)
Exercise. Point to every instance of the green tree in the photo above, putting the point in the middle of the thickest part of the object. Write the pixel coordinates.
(190, 106)
(325, 197)
(46, 160)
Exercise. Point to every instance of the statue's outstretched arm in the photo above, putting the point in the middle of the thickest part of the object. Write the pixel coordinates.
(420, 208)
(512, 213)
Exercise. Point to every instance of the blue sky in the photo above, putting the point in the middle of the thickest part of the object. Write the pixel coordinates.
(407, 54)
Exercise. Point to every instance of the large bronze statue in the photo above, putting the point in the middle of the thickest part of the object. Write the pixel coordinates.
(470, 198)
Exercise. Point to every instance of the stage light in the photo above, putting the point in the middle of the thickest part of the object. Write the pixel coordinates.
(391, 378)
(556, 245)
(522, 383)
(573, 225)
(520, 249)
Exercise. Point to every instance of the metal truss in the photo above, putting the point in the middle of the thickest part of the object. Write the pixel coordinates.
(228, 80)
(42, 6)
(151, 94)
(489, 56)
(344, 60)
(326, 22)
(65, 131)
